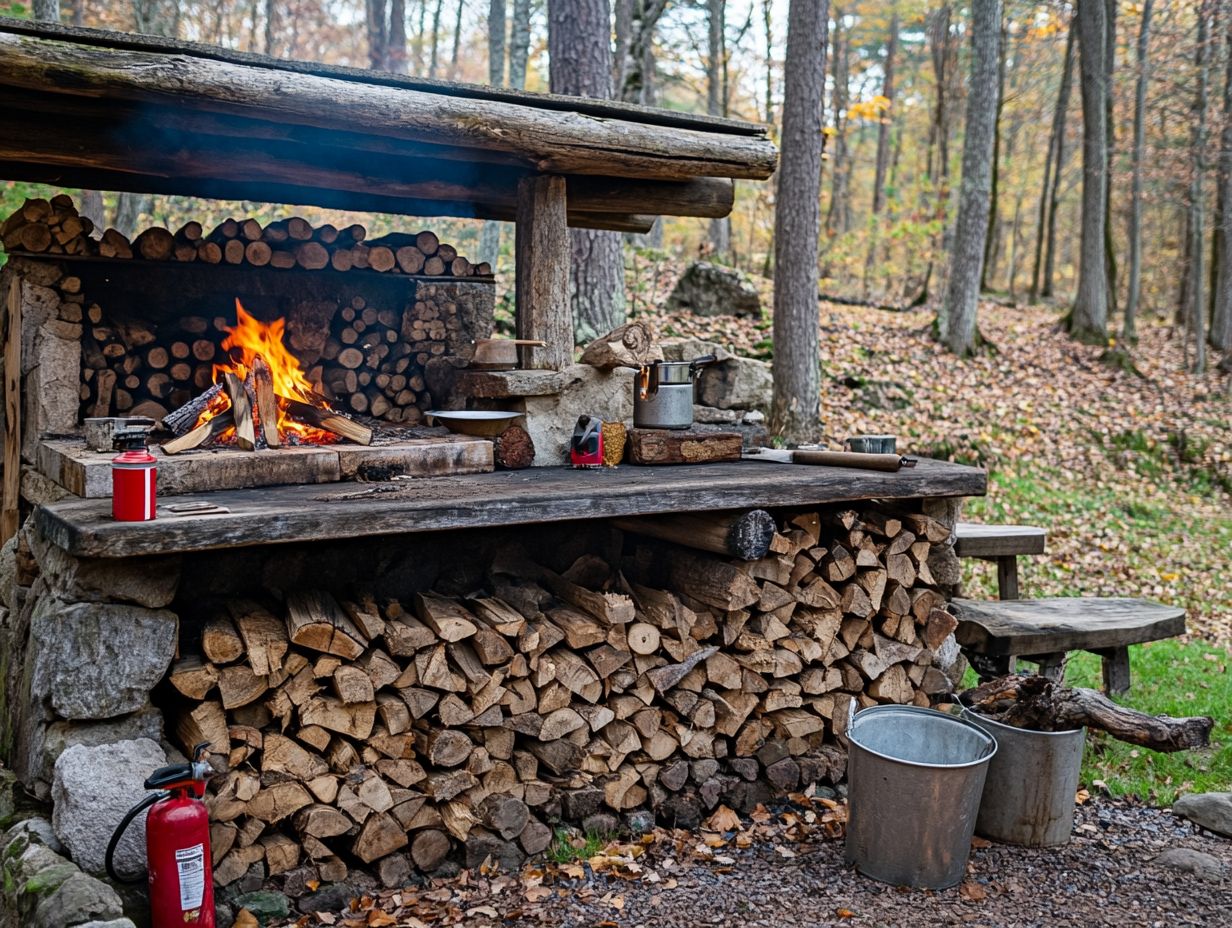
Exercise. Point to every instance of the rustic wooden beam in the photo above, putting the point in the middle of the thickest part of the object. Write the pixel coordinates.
(542, 256)
(10, 507)
(543, 139)
(141, 149)
(604, 109)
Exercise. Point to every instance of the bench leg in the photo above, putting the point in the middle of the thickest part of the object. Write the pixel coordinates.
(989, 667)
(1051, 666)
(1116, 669)
(1007, 576)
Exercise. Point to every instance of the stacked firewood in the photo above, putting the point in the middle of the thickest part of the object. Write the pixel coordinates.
(352, 731)
(374, 359)
(54, 227)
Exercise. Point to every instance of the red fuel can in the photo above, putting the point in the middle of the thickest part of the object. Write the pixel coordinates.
(134, 481)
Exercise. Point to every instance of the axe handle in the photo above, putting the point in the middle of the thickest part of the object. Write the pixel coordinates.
(888, 462)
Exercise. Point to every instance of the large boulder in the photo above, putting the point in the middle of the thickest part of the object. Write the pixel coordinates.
(1213, 811)
(737, 383)
(732, 382)
(92, 789)
(713, 290)
(586, 391)
(97, 661)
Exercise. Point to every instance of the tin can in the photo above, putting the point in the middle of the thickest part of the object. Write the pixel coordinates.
(134, 481)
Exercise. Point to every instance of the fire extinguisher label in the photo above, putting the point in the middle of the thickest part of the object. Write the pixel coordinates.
(190, 863)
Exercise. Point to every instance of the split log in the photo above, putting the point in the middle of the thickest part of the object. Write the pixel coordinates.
(324, 418)
(241, 412)
(267, 403)
(1036, 703)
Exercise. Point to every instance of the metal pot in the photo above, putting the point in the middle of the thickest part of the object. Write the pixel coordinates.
(663, 393)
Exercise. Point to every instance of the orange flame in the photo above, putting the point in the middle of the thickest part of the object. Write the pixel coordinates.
(245, 341)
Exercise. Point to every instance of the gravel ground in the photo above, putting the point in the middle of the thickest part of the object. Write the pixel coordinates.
(783, 868)
(1104, 876)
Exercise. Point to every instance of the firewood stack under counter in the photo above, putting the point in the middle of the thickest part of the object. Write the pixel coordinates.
(351, 731)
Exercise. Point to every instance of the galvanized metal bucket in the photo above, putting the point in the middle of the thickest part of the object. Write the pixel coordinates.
(914, 779)
(1029, 793)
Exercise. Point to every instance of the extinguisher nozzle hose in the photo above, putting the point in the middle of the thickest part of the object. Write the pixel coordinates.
(119, 833)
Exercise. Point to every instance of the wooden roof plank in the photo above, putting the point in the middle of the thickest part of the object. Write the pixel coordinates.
(616, 109)
(538, 138)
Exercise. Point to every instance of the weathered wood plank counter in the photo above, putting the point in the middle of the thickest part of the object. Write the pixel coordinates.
(548, 494)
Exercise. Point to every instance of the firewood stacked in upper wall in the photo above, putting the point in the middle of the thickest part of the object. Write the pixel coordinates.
(671, 680)
(53, 227)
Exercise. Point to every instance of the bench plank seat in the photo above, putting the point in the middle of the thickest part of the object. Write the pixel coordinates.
(973, 539)
(1043, 630)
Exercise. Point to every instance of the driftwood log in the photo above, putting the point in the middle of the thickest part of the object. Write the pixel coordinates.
(1036, 703)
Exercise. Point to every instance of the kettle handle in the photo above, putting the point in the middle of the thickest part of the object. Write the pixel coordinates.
(701, 362)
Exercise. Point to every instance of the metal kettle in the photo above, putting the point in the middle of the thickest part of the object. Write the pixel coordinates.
(663, 393)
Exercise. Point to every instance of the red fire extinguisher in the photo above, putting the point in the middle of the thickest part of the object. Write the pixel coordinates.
(177, 839)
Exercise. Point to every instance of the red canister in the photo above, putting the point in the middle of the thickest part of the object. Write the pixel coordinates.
(134, 478)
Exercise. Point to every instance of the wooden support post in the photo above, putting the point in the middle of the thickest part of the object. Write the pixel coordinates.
(1116, 669)
(10, 509)
(1007, 576)
(542, 257)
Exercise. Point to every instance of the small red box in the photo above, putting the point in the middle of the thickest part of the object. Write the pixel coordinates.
(134, 482)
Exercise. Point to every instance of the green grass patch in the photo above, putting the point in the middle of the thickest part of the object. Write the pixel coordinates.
(1169, 678)
(569, 846)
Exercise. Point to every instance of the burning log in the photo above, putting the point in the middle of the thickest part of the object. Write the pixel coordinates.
(241, 411)
(198, 436)
(1038, 704)
(267, 403)
(324, 418)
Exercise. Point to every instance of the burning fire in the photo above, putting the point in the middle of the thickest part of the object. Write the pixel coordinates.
(249, 339)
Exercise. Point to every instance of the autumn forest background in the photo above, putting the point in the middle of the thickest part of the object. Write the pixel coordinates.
(1095, 380)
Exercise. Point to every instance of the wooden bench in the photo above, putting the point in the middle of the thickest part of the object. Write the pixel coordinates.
(1002, 544)
(997, 634)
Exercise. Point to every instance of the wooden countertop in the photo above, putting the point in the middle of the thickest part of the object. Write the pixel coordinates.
(543, 494)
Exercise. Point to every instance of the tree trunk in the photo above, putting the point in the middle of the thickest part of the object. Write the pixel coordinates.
(519, 43)
(883, 130)
(1110, 14)
(767, 16)
(46, 11)
(457, 42)
(1135, 203)
(716, 105)
(838, 216)
(883, 153)
(271, 25)
(395, 48)
(377, 36)
(580, 58)
(434, 58)
(1089, 320)
(1052, 164)
(1054, 197)
(990, 237)
(1197, 192)
(797, 378)
(958, 312)
(1221, 314)
(490, 235)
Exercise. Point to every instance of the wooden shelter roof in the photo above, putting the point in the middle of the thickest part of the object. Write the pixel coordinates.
(96, 109)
